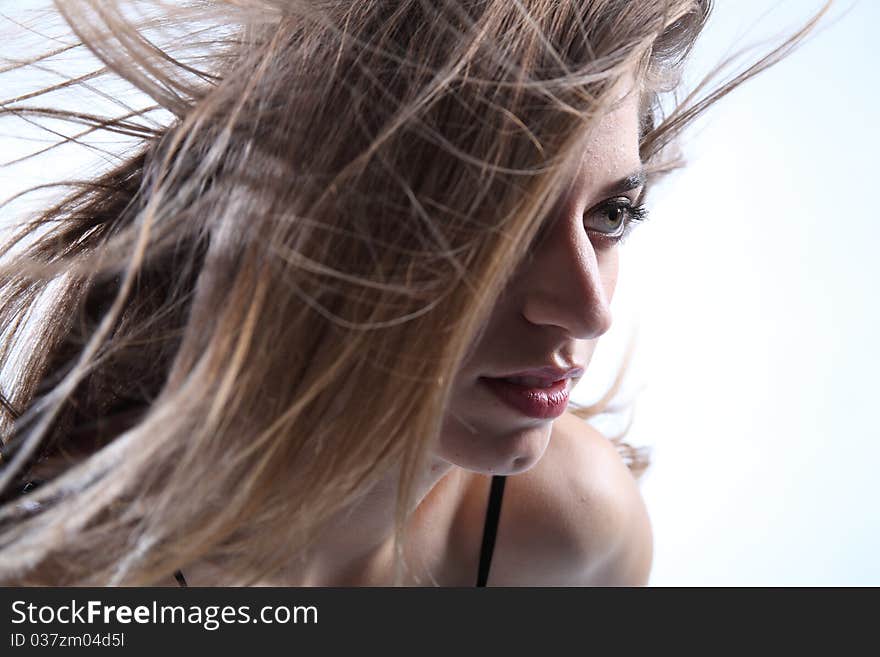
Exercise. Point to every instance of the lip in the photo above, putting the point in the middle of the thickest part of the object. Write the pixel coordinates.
(538, 403)
(550, 374)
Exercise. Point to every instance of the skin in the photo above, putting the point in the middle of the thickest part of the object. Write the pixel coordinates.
(572, 514)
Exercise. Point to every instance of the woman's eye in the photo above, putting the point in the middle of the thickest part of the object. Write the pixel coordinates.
(613, 219)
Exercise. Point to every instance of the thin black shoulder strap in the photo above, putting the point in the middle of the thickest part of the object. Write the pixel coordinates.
(490, 528)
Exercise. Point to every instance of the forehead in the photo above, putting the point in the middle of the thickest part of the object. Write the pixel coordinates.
(610, 150)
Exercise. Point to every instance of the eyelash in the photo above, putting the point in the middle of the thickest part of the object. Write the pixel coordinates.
(636, 213)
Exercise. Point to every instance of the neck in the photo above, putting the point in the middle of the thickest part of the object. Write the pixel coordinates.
(339, 559)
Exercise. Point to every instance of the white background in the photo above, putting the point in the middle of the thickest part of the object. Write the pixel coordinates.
(754, 284)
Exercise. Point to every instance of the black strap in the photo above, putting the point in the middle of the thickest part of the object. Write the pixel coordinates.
(490, 529)
(178, 575)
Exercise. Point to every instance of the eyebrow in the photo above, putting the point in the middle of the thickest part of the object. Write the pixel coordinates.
(635, 180)
(629, 183)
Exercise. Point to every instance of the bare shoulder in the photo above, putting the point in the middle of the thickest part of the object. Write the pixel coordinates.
(575, 519)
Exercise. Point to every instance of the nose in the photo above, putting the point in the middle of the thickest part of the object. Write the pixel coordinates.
(569, 284)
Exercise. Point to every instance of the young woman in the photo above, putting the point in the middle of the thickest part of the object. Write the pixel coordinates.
(321, 329)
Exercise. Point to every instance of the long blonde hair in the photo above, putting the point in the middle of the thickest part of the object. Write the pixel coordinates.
(259, 314)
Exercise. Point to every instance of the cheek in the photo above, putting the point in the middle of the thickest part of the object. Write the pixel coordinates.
(609, 264)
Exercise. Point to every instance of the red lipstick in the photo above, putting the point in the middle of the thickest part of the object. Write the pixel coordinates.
(536, 402)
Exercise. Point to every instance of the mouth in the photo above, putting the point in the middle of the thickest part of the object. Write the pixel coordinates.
(534, 397)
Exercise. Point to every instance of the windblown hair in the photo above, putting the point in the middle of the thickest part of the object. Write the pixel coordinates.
(256, 316)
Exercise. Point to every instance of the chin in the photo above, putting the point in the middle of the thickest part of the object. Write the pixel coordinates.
(496, 453)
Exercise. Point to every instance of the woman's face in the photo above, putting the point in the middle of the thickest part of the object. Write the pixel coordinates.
(546, 324)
